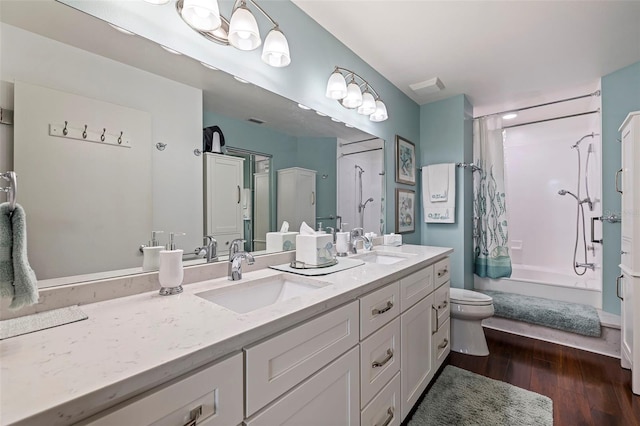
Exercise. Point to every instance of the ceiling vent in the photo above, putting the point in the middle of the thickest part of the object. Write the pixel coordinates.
(427, 87)
(256, 120)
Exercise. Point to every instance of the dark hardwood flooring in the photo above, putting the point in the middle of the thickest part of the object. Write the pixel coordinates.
(586, 388)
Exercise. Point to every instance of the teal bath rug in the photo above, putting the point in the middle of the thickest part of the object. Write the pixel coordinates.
(462, 398)
(565, 316)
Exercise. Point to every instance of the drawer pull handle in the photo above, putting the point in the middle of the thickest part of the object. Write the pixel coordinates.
(437, 321)
(617, 177)
(442, 272)
(378, 311)
(443, 305)
(444, 344)
(618, 287)
(195, 414)
(388, 419)
(376, 364)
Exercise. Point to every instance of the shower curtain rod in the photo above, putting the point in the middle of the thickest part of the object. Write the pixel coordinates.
(360, 152)
(596, 93)
(363, 140)
(551, 119)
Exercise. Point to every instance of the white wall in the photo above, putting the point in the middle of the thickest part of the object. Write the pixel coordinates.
(373, 164)
(539, 162)
(176, 171)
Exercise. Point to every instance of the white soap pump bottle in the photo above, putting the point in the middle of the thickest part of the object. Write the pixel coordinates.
(151, 253)
(171, 272)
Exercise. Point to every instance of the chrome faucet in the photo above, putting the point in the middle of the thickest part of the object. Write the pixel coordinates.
(235, 260)
(209, 250)
(591, 266)
(358, 234)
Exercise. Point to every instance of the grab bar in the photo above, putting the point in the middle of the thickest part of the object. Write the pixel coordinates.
(12, 189)
(593, 222)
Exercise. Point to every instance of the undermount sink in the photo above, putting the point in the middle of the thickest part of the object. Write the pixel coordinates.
(249, 295)
(381, 257)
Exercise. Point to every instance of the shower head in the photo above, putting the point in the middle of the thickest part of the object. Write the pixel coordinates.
(565, 192)
(590, 135)
(360, 169)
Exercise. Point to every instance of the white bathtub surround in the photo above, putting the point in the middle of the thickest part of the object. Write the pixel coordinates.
(491, 258)
(131, 344)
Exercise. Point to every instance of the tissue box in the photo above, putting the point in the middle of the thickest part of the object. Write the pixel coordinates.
(393, 240)
(314, 250)
(281, 241)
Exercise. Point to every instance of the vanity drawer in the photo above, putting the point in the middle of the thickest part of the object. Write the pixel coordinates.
(216, 389)
(442, 272)
(415, 286)
(441, 343)
(378, 308)
(379, 360)
(384, 409)
(441, 305)
(278, 364)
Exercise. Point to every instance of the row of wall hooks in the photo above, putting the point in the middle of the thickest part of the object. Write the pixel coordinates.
(85, 134)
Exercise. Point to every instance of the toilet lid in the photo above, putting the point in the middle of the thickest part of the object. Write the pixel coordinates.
(468, 297)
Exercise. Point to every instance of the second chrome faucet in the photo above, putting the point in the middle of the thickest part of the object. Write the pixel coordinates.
(236, 255)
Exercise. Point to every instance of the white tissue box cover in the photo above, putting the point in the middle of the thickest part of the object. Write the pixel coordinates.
(314, 249)
(281, 241)
(393, 240)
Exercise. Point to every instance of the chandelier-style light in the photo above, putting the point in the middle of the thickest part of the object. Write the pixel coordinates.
(357, 94)
(241, 31)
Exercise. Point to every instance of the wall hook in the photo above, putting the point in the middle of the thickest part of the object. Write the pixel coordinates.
(161, 146)
(84, 132)
(197, 152)
(120, 138)
(65, 131)
(102, 135)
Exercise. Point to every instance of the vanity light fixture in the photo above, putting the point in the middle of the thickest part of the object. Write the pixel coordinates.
(357, 94)
(241, 31)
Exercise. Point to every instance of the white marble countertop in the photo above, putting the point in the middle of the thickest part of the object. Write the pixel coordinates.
(131, 344)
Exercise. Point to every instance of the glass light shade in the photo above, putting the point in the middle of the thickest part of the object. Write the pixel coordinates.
(368, 106)
(336, 86)
(354, 96)
(381, 112)
(243, 30)
(203, 15)
(276, 49)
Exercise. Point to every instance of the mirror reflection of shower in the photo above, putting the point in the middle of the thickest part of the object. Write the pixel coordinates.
(580, 267)
(361, 205)
(361, 183)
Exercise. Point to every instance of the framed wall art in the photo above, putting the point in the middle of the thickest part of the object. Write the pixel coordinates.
(405, 210)
(405, 161)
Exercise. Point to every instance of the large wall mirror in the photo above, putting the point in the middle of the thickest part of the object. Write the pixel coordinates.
(91, 205)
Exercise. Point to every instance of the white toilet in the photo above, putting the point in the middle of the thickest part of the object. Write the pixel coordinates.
(468, 309)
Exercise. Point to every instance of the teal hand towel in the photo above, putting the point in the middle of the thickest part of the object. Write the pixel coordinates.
(17, 279)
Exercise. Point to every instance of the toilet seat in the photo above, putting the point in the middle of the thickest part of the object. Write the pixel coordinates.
(468, 297)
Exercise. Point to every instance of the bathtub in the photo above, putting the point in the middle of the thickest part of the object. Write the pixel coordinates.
(550, 284)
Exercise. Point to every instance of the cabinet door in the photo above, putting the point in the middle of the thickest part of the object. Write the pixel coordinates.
(328, 398)
(307, 197)
(416, 354)
(223, 193)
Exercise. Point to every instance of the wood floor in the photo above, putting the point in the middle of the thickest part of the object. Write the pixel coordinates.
(586, 388)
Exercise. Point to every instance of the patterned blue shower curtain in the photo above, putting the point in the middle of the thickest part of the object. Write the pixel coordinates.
(490, 241)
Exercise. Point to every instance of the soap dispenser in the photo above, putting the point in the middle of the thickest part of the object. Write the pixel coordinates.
(171, 272)
(343, 241)
(151, 253)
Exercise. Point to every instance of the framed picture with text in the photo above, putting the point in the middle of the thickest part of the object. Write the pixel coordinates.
(405, 210)
(405, 161)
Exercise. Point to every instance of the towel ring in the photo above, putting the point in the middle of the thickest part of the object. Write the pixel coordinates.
(102, 135)
(84, 133)
(120, 138)
(65, 131)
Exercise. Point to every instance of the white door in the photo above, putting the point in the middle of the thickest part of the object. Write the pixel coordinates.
(626, 183)
(307, 200)
(261, 210)
(223, 189)
(331, 397)
(417, 366)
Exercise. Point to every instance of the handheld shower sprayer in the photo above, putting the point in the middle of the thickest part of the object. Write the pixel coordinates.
(590, 135)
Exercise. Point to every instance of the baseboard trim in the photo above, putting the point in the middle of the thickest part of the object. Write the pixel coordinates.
(607, 344)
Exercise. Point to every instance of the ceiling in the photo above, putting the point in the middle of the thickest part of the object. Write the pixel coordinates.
(496, 52)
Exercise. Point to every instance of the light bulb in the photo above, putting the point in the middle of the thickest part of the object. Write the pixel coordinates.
(368, 106)
(243, 30)
(336, 86)
(202, 15)
(354, 96)
(381, 112)
(276, 49)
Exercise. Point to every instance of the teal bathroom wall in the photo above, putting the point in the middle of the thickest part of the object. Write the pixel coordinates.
(314, 52)
(620, 95)
(446, 137)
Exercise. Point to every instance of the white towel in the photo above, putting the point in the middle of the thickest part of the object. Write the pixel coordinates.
(442, 211)
(438, 182)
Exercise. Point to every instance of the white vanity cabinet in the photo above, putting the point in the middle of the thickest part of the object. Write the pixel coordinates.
(212, 394)
(296, 195)
(629, 280)
(223, 184)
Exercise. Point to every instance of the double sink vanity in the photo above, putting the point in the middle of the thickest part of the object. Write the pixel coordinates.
(355, 347)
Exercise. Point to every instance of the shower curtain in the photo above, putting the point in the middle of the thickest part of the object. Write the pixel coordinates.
(491, 251)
